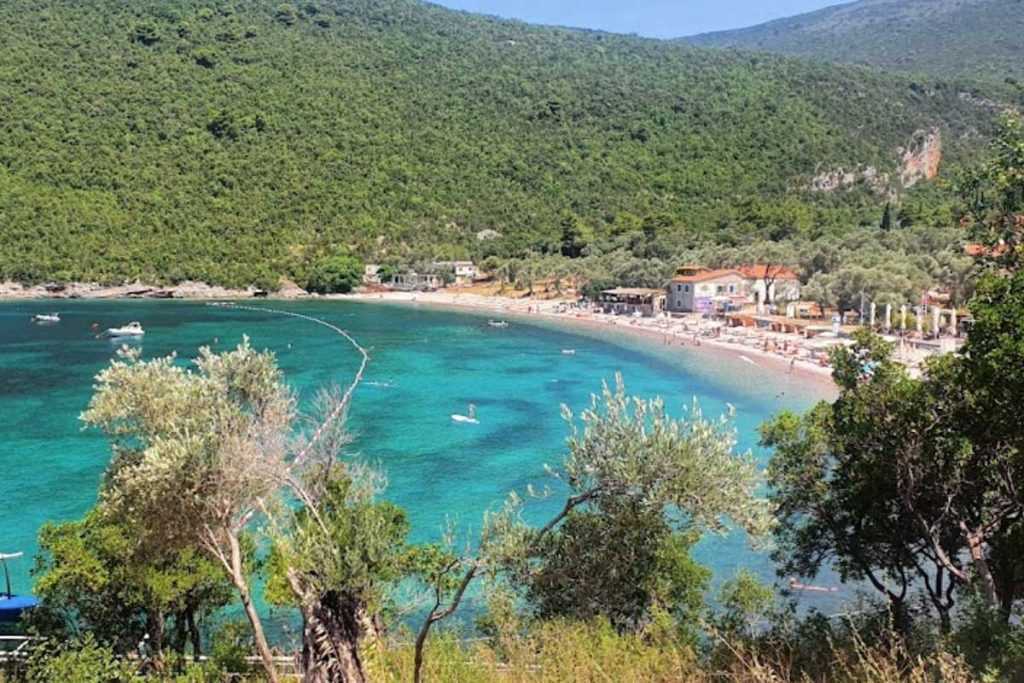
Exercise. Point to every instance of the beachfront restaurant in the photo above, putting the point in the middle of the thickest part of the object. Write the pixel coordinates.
(633, 301)
(416, 282)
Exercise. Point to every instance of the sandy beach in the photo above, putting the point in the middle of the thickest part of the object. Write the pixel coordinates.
(783, 354)
(683, 332)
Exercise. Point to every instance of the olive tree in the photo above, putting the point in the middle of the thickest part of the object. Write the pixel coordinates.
(197, 453)
(907, 482)
(629, 464)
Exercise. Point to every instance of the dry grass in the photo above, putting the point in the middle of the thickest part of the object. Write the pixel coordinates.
(567, 653)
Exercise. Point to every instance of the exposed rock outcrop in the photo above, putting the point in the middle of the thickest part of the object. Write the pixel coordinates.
(841, 179)
(919, 160)
(922, 157)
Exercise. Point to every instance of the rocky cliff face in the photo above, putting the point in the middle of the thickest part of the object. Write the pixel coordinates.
(919, 160)
(842, 179)
(922, 157)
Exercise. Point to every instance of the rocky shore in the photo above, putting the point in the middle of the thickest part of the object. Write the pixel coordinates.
(137, 290)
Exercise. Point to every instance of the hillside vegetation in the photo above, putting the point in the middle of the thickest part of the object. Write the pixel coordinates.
(944, 38)
(235, 142)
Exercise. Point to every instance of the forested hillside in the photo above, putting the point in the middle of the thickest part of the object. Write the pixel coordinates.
(233, 142)
(944, 38)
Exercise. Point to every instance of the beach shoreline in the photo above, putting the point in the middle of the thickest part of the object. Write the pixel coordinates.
(535, 310)
(522, 309)
(183, 291)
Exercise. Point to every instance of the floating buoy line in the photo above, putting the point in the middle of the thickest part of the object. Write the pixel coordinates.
(346, 397)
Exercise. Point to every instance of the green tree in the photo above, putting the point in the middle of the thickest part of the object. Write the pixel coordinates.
(902, 478)
(654, 570)
(195, 454)
(993, 197)
(338, 559)
(286, 14)
(886, 223)
(83, 660)
(835, 488)
(336, 275)
(633, 469)
(573, 240)
(95, 578)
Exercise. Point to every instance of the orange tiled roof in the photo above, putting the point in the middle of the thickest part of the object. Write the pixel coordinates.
(753, 272)
(759, 270)
(706, 275)
(983, 250)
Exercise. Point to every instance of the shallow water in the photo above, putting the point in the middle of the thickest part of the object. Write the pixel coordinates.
(426, 365)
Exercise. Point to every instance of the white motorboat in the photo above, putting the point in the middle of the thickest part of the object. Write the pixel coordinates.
(568, 352)
(46, 318)
(467, 419)
(132, 329)
(498, 323)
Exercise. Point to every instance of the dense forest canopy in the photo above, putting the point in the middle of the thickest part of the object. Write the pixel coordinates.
(962, 38)
(239, 141)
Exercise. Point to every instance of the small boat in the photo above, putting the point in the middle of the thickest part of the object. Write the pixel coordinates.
(12, 606)
(467, 419)
(498, 323)
(132, 329)
(46, 318)
(797, 586)
(568, 352)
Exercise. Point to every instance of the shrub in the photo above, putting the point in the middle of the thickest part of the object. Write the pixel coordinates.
(336, 275)
(83, 661)
(286, 14)
(145, 33)
(231, 644)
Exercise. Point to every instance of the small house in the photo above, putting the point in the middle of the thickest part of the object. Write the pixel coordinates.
(771, 284)
(696, 289)
(466, 272)
(702, 290)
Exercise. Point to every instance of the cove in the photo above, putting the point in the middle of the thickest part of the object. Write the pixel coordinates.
(426, 364)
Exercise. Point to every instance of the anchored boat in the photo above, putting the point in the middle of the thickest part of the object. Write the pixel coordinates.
(132, 329)
(46, 318)
(12, 606)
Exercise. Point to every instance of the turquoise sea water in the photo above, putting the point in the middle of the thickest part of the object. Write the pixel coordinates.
(426, 365)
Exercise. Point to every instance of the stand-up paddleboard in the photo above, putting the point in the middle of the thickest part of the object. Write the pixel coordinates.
(467, 419)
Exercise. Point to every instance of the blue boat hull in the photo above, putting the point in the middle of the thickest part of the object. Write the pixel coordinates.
(12, 607)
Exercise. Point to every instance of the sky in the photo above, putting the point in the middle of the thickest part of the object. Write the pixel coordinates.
(653, 18)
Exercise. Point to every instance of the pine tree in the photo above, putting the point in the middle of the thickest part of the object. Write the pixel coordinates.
(887, 217)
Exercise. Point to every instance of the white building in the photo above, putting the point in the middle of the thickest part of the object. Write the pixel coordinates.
(465, 271)
(696, 289)
(415, 282)
(702, 290)
(371, 274)
(771, 284)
